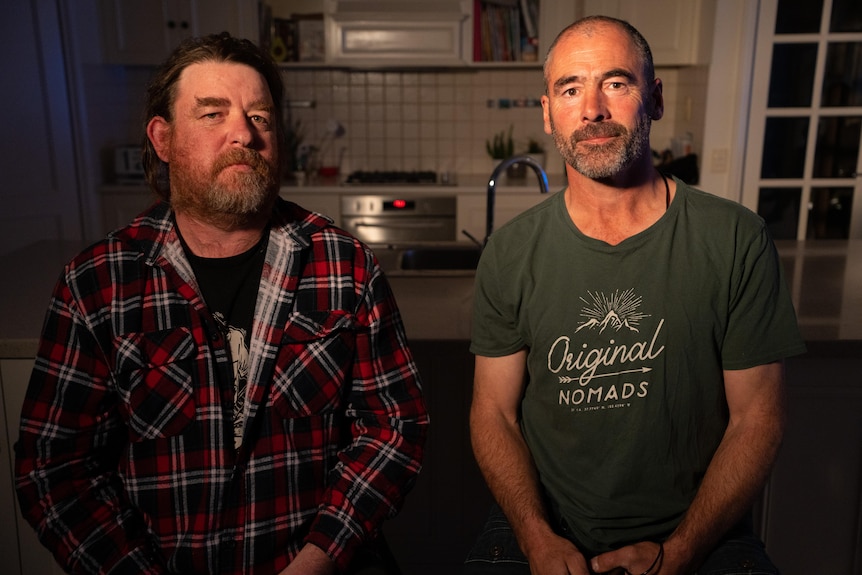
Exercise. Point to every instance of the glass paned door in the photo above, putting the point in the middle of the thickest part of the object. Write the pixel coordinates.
(804, 159)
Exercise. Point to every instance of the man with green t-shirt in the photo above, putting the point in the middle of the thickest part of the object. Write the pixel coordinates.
(629, 335)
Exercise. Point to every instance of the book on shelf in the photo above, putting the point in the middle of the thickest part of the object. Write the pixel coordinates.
(505, 30)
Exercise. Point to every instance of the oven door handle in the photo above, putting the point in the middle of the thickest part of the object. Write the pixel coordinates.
(403, 225)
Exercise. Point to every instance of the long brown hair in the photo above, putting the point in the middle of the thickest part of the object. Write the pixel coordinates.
(161, 92)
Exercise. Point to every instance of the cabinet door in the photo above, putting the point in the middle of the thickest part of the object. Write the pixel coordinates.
(472, 209)
(143, 32)
(21, 551)
(814, 497)
(322, 203)
(8, 509)
(678, 31)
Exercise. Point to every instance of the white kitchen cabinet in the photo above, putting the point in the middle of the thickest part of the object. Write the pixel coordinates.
(397, 33)
(679, 31)
(327, 204)
(143, 32)
(381, 33)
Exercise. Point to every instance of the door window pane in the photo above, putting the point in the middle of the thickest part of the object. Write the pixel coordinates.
(837, 147)
(842, 82)
(784, 147)
(829, 213)
(779, 207)
(846, 16)
(792, 78)
(798, 16)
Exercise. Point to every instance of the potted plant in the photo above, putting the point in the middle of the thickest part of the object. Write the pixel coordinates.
(501, 147)
(536, 150)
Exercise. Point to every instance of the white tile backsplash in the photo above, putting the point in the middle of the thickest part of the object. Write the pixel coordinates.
(441, 120)
(429, 120)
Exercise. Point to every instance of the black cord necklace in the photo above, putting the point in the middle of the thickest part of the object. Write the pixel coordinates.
(666, 191)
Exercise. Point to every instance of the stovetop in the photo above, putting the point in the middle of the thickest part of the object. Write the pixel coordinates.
(361, 177)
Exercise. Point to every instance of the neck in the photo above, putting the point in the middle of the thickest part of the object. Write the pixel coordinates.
(209, 240)
(614, 209)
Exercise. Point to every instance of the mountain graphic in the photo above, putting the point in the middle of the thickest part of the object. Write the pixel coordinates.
(611, 320)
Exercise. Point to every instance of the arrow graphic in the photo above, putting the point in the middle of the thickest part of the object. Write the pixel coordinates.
(566, 379)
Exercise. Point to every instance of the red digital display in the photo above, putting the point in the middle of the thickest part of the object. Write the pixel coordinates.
(398, 204)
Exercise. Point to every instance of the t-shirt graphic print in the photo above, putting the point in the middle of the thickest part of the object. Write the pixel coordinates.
(605, 362)
(238, 345)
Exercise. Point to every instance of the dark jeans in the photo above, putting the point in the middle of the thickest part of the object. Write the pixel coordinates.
(496, 552)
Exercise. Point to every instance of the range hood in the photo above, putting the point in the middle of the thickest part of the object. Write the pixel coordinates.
(385, 33)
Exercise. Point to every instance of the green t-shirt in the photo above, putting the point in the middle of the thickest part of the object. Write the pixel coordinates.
(625, 407)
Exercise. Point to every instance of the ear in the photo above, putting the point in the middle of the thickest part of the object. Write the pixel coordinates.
(657, 98)
(546, 114)
(159, 134)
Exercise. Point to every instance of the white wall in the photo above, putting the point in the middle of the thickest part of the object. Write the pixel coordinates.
(727, 101)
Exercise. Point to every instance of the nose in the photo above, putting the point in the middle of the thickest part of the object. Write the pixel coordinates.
(241, 132)
(595, 107)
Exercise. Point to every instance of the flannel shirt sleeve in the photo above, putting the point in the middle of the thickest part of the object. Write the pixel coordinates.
(67, 451)
(388, 424)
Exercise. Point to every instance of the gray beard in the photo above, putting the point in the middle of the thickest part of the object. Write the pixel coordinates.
(606, 160)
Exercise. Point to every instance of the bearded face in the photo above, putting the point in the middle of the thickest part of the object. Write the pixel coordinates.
(239, 185)
(607, 159)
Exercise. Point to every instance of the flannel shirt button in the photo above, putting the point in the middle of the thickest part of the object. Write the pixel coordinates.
(215, 335)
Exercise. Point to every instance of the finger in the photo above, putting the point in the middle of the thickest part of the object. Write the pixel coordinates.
(606, 562)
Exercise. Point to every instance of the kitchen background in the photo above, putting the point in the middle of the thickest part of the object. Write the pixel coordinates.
(68, 104)
(410, 120)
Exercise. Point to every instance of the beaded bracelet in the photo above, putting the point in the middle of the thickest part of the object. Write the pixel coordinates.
(657, 559)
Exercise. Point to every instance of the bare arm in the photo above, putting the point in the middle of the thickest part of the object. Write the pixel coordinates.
(506, 463)
(734, 478)
(310, 560)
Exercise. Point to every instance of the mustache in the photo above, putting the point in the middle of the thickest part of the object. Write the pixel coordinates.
(600, 130)
(241, 156)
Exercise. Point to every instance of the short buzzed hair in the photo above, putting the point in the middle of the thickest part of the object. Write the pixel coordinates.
(588, 23)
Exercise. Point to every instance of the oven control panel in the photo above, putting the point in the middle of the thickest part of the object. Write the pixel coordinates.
(376, 218)
(398, 206)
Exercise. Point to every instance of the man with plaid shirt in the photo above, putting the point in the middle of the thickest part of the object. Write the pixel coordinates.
(224, 385)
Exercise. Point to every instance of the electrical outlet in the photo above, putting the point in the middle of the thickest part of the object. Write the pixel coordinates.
(718, 161)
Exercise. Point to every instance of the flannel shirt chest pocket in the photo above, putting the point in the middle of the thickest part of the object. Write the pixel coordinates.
(154, 381)
(315, 363)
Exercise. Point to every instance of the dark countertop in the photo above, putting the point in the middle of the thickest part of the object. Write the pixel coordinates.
(825, 279)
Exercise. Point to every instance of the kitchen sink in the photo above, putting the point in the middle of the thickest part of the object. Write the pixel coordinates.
(440, 258)
(431, 257)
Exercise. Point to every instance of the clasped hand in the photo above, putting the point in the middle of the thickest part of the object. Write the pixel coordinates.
(558, 556)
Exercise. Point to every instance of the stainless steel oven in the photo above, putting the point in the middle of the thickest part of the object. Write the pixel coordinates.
(392, 218)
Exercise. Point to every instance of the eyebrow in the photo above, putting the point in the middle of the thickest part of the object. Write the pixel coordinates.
(616, 72)
(212, 101)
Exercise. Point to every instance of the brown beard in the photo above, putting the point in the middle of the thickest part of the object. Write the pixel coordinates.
(603, 160)
(226, 203)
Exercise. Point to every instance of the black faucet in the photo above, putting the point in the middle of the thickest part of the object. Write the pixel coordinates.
(492, 183)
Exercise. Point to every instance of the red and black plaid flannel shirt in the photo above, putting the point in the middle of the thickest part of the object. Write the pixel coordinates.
(126, 460)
